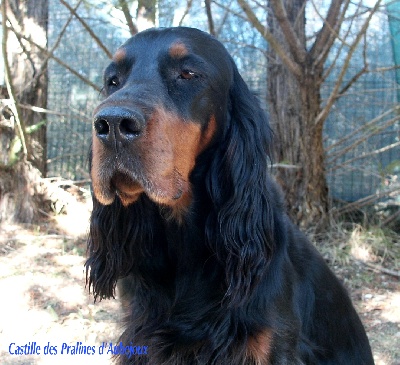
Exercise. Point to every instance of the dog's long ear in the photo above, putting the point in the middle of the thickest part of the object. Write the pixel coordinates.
(118, 238)
(240, 228)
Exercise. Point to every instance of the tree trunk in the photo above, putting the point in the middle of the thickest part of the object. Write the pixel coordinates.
(146, 14)
(20, 196)
(294, 103)
(20, 193)
(29, 70)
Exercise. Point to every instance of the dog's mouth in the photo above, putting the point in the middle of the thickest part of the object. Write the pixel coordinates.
(126, 187)
(157, 163)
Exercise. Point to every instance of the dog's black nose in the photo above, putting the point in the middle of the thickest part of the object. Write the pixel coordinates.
(119, 123)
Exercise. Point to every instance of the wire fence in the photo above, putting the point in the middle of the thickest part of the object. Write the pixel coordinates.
(359, 160)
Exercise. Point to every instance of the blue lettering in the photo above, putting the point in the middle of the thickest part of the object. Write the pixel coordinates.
(9, 348)
(120, 349)
(64, 347)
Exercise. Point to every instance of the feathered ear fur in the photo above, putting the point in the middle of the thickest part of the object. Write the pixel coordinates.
(240, 227)
(113, 230)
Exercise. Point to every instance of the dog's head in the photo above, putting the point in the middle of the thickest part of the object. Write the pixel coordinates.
(165, 92)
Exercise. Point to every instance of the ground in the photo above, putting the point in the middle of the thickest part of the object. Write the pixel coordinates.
(45, 303)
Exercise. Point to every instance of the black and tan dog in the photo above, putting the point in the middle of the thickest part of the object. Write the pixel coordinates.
(189, 222)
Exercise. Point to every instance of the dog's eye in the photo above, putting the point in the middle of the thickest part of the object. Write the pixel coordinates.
(113, 81)
(187, 75)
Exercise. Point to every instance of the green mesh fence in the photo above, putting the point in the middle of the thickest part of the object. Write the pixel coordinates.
(359, 172)
(393, 8)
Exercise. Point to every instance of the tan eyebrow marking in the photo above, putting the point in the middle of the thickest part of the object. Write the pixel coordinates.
(178, 50)
(120, 55)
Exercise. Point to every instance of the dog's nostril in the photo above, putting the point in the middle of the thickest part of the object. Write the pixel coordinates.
(129, 127)
(102, 127)
(119, 124)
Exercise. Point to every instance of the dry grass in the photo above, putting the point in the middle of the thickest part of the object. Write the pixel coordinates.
(44, 298)
(368, 262)
(45, 301)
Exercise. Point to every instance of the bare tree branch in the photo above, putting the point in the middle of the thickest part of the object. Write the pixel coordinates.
(365, 136)
(64, 28)
(329, 31)
(221, 24)
(58, 60)
(43, 66)
(267, 35)
(228, 10)
(343, 44)
(365, 201)
(354, 79)
(296, 48)
(128, 17)
(41, 110)
(210, 19)
(189, 4)
(366, 126)
(379, 267)
(88, 29)
(333, 96)
(365, 155)
(388, 221)
(20, 123)
(241, 45)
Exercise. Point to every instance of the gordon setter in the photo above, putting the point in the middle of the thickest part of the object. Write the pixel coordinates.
(189, 223)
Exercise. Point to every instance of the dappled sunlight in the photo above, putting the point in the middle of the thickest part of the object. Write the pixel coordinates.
(74, 218)
(360, 248)
(391, 310)
(367, 261)
(42, 278)
(76, 224)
